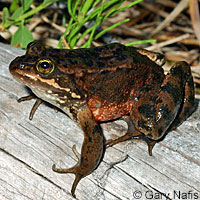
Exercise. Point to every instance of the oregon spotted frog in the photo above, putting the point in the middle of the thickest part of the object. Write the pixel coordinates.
(106, 83)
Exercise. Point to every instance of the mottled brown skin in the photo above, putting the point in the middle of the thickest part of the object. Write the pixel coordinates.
(92, 148)
(106, 83)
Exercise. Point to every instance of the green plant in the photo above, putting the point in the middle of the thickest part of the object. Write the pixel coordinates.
(80, 11)
(87, 10)
(19, 17)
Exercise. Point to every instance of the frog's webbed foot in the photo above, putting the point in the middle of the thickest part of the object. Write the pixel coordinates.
(70, 170)
(73, 170)
(35, 106)
(76, 152)
(92, 148)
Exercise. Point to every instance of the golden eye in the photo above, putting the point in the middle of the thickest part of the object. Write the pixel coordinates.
(45, 66)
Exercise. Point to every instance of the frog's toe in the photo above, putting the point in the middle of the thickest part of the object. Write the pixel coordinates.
(76, 152)
(69, 170)
(75, 183)
(74, 169)
(108, 143)
(26, 98)
(61, 170)
(151, 144)
(35, 107)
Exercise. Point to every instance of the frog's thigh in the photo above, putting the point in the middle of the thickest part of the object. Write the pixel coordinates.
(188, 105)
(176, 97)
(151, 116)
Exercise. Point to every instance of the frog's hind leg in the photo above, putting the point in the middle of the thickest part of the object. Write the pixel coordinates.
(172, 104)
(132, 133)
(92, 148)
(157, 111)
(188, 105)
(180, 86)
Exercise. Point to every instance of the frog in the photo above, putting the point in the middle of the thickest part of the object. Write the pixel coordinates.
(106, 83)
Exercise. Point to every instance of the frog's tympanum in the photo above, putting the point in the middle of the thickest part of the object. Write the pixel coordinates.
(107, 83)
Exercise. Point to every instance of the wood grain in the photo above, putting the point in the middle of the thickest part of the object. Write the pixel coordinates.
(28, 149)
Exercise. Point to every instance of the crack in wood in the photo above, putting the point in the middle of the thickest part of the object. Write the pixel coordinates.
(33, 170)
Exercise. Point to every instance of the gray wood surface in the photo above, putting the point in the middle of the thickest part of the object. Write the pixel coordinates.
(28, 149)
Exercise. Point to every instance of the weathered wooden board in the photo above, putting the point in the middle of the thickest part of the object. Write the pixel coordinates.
(28, 149)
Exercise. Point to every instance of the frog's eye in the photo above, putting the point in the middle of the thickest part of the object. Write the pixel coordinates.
(45, 66)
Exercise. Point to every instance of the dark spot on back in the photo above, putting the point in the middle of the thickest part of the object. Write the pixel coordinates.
(105, 72)
(100, 64)
(70, 55)
(176, 71)
(147, 110)
(127, 71)
(142, 124)
(173, 91)
(122, 57)
(88, 62)
(118, 69)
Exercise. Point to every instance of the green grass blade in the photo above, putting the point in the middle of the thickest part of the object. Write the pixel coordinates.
(109, 28)
(140, 42)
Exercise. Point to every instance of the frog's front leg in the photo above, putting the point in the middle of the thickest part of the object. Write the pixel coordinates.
(35, 106)
(92, 148)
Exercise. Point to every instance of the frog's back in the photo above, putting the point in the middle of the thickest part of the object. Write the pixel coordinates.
(114, 80)
(98, 59)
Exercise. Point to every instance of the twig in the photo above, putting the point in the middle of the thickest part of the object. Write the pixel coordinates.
(162, 44)
(195, 17)
(177, 10)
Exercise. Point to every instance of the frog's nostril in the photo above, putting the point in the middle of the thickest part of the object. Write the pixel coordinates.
(21, 66)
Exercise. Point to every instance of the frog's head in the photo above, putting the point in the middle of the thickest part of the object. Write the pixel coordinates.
(40, 70)
(33, 67)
